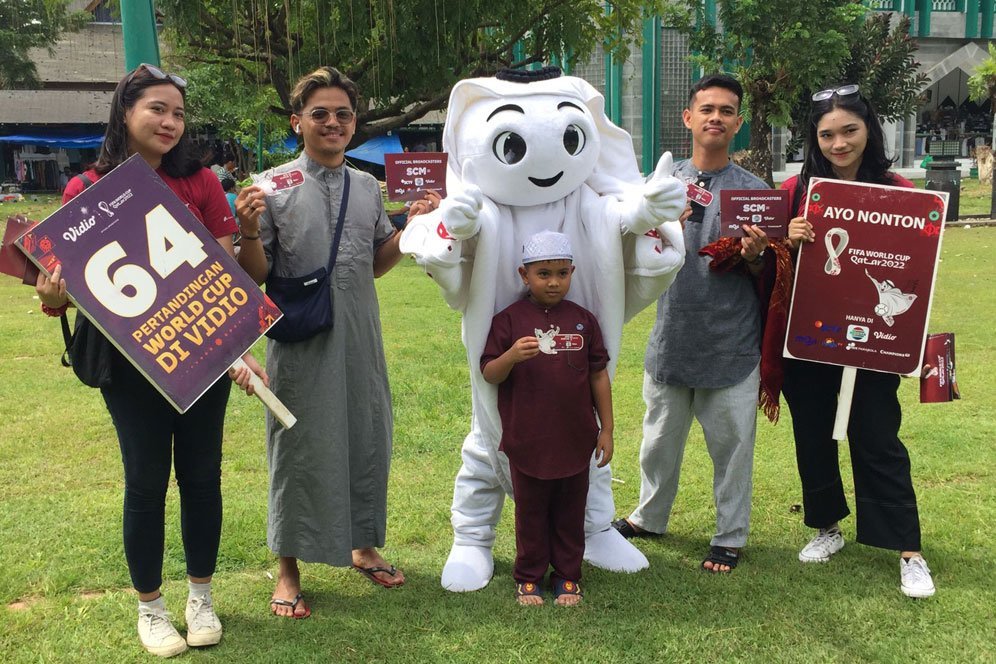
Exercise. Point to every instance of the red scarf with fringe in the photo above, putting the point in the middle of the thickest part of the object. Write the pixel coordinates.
(775, 292)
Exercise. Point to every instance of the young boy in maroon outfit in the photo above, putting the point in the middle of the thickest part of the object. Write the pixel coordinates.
(546, 355)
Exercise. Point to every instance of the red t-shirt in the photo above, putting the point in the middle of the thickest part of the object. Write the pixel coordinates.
(790, 184)
(201, 192)
(549, 430)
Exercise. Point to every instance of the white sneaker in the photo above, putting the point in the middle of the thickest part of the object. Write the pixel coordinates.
(914, 576)
(203, 626)
(826, 543)
(158, 634)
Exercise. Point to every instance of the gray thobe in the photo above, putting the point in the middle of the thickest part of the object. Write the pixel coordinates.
(328, 474)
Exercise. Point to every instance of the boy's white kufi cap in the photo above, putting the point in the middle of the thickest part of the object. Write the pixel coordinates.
(546, 246)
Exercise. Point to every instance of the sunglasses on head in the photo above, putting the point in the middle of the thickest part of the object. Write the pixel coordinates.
(322, 115)
(842, 91)
(157, 73)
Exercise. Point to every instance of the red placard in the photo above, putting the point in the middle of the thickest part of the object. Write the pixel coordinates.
(150, 276)
(410, 173)
(938, 381)
(12, 260)
(768, 209)
(863, 289)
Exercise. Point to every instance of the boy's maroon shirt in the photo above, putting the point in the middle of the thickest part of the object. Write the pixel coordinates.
(549, 430)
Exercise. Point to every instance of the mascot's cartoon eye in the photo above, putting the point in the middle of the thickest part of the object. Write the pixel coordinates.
(509, 147)
(574, 139)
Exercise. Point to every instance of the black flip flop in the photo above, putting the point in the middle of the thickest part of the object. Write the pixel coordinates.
(370, 573)
(293, 605)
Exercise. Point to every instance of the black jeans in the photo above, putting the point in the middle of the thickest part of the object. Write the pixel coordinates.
(883, 489)
(151, 434)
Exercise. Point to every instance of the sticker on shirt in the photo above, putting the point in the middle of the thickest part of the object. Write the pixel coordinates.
(700, 195)
(272, 184)
(552, 341)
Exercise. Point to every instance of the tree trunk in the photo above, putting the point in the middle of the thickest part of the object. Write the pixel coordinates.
(992, 182)
(992, 195)
(758, 159)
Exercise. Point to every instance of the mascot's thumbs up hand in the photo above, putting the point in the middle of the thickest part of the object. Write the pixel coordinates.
(461, 210)
(663, 198)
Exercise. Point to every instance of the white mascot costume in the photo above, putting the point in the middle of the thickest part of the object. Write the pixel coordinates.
(534, 151)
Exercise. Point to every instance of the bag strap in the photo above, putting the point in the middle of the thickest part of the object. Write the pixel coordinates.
(342, 218)
(67, 336)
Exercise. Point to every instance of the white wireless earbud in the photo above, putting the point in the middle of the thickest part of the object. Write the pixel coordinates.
(297, 129)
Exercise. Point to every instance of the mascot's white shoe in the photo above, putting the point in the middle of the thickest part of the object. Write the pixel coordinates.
(468, 568)
(610, 550)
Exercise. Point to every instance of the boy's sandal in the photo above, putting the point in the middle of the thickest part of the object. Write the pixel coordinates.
(565, 587)
(721, 555)
(276, 601)
(527, 590)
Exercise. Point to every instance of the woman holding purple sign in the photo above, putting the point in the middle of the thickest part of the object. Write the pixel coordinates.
(845, 142)
(147, 118)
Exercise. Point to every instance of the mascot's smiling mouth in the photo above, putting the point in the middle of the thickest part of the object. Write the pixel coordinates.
(548, 182)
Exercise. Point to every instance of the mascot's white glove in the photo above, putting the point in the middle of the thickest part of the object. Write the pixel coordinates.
(461, 210)
(663, 199)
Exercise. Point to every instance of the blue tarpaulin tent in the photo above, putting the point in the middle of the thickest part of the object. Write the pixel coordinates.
(375, 149)
(54, 140)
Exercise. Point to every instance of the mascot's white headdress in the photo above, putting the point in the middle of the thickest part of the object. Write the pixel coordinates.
(600, 153)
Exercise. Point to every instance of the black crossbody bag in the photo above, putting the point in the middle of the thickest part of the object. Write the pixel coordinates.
(306, 302)
(88, 351)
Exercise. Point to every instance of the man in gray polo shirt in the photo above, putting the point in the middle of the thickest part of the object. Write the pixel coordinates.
(703, 355)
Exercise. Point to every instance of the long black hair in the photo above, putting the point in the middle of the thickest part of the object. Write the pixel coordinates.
(178, 162)
(874, 167)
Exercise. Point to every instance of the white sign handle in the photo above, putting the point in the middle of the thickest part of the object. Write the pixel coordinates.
(844, 403)
(269, 399)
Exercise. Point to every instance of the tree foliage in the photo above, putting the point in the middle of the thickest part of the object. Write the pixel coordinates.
(405, 55)
(982, 82)
(882, 63)
(27, 24)
(776, 49)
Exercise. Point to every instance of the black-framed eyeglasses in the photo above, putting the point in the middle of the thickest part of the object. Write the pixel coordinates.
(842, 91)
(322, 115)
(157, 73)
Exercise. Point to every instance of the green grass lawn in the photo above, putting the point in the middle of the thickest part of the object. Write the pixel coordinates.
(975, 198)
(65, 596)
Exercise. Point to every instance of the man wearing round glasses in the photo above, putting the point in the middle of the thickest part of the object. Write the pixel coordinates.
(326, 124)
(328, 475)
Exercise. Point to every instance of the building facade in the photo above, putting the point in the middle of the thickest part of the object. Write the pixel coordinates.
(60, 125)
(647, 94)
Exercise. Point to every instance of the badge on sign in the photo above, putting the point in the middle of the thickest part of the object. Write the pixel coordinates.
(568, 342)
(552, 341)
(700, 195)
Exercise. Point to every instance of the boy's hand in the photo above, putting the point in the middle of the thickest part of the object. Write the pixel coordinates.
(603, 448)
(523, 349)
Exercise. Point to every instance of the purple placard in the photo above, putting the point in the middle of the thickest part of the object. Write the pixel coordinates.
(768, 209)
(409, 174)
(151, 277)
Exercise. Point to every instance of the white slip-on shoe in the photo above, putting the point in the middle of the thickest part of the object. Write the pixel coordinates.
(158, 634)
(914, 577)
(826, 543)
(203, 626)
